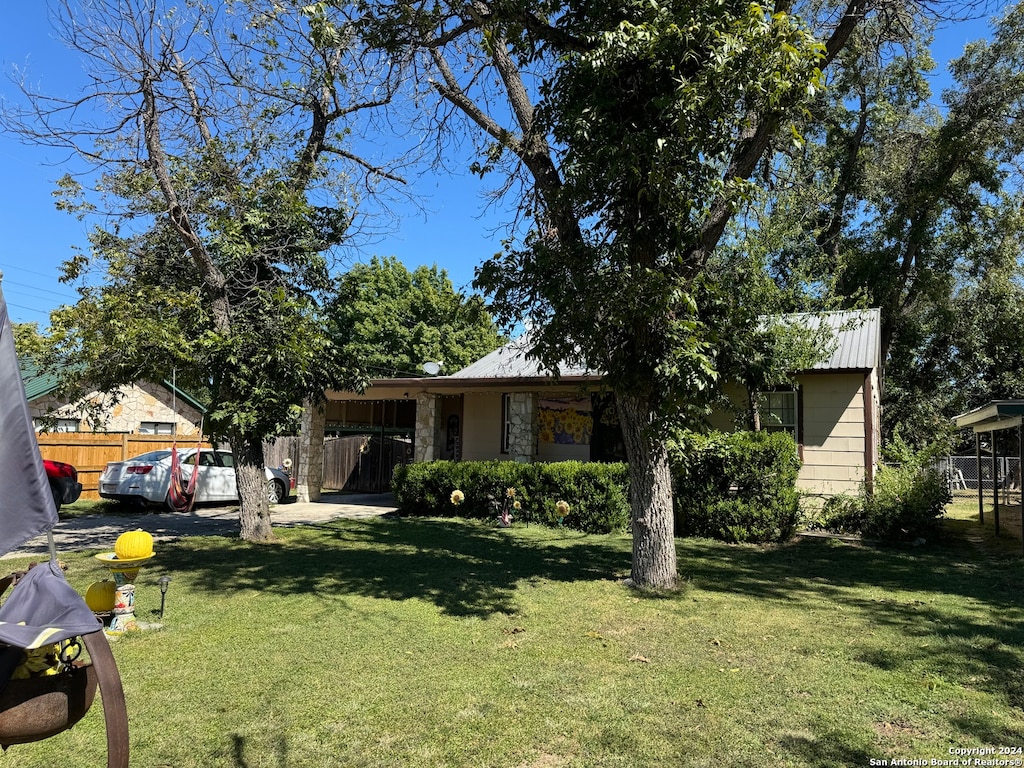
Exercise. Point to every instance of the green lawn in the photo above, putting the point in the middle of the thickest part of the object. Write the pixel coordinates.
(421, 642)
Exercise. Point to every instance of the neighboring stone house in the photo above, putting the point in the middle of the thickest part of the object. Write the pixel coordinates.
(504, 407)
(143, 408)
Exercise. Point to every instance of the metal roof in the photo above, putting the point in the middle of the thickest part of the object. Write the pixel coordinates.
(38, 384)
(512, 362)
(998, 414)
(857, 336)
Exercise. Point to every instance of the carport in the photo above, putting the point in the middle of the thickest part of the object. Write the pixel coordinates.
(997, 416)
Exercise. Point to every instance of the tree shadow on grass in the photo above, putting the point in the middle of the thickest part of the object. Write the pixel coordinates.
(959, 609)
(466, 569)
(826, 750)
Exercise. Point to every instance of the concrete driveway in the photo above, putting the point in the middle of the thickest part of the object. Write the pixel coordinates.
(101, 531)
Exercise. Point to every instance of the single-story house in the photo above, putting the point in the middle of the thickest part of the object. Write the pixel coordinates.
(144, 408)
(503, 407)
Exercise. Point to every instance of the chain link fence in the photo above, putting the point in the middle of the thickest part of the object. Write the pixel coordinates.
(964, 476)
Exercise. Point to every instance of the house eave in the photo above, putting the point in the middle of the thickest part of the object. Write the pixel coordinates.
(402, 388)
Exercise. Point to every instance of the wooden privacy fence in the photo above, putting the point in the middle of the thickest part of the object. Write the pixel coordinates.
(362, 463)
(89, 452)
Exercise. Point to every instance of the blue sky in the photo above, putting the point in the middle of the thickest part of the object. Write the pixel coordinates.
(454, 233)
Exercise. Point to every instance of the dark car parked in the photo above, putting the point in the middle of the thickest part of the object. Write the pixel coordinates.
(64, 483)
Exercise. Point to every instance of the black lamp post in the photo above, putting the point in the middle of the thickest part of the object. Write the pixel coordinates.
(164, 582)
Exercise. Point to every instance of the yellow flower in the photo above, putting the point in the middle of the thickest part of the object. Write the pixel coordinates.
(516, 505)
(562, 508)
(458, 497)
(511, 493)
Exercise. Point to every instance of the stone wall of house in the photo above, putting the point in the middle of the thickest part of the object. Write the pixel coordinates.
(310, 477)
(124, 411)
(428, 434)
(522, 415)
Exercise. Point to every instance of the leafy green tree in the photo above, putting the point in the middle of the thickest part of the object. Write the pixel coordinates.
(909, 207)
(390, 321)
(980, 354)
(29, 342)
(634, 129)
(220, 138)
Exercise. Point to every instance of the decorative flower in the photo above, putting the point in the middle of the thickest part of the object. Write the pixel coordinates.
(458, 497)
(516, 505)
(511, 493)
(562, 508)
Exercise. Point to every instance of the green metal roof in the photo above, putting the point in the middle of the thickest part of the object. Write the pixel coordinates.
(39, 384)
(998, 414)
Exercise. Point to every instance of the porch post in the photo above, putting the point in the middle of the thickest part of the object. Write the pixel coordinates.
(427, 445)
(309, 477)
(523, 418)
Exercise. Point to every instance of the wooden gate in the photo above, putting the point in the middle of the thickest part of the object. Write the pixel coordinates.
(364, 463)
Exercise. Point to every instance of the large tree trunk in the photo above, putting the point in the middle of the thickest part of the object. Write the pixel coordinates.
(254, 508)
(650, 491)
(753, 411)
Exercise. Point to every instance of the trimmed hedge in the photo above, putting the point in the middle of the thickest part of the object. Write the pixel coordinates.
(597, 494)
(737, 487)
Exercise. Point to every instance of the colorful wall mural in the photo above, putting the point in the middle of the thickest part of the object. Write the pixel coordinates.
(565, 422)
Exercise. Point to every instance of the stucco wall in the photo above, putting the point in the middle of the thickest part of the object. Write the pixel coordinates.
(481, 427)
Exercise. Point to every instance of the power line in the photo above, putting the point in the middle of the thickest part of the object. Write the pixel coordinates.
(44, 312)
(50, 275)
(68, 294)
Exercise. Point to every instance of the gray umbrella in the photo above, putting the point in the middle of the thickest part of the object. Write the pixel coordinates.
(42, 608)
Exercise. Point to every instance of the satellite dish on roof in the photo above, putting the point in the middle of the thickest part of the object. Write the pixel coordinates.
(432, 369)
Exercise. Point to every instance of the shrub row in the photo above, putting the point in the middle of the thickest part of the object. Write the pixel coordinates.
(596, 493)
(738, 487)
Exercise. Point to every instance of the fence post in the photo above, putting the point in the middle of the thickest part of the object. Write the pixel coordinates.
(995, 479)
(981, 491)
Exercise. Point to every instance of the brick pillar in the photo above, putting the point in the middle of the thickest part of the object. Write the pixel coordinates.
(523, 417)
(428, 417)
(310, 477)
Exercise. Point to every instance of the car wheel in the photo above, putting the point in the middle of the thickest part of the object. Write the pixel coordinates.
(275, 491)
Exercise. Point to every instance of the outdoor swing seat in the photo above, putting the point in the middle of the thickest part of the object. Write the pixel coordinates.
(36, 708)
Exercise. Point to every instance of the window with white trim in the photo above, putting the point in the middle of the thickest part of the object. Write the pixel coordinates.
(156, 428)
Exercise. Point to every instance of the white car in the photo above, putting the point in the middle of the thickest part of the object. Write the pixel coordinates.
(147, 478)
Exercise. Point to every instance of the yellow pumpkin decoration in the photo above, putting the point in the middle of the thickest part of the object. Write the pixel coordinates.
(133, 545)
(100, 596)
